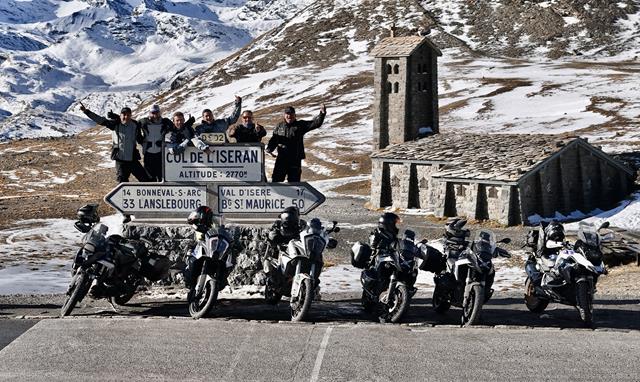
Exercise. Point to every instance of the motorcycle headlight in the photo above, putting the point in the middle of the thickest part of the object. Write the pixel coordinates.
(315, 245)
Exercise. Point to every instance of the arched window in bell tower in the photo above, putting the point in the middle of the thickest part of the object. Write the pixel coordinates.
(396, 69)
(388, 68)
(388, 87)
(396, 87)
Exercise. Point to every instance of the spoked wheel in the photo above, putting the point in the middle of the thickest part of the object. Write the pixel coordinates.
(584, 302)
(533, 303)
(367, 304)
(201, 302)
(392, 306)
(300, 308)
(440, 301)
(472, 306)
(79, 287)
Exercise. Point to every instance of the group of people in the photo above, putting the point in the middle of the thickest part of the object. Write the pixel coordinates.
(154, 131)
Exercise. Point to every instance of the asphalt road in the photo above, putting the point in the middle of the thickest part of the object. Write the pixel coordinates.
(93, 349)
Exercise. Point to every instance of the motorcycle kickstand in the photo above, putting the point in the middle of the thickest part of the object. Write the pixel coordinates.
(113, 306)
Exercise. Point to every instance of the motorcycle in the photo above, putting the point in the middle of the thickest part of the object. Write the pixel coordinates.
(467, 280)
(210, 263)
(296, 270)
(389, 278)
(566, 276)
(118, 266)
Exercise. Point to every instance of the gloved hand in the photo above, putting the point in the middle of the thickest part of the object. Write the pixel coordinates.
(191, 119)
(112, 115)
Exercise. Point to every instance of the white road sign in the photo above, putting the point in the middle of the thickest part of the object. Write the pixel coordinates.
(224, 163)
(267, 198)
(130, 198)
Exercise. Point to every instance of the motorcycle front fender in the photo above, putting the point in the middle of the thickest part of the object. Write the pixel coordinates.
(297, 282)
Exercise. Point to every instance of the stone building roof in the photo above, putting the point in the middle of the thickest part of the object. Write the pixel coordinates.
(401, 46)
(489, 157)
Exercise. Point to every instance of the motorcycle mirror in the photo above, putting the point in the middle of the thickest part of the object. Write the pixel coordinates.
(84, 228)
(335, 223)
(604, 225)
(332, 243)
(506, 240)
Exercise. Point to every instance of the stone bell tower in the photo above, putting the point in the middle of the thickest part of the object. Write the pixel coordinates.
(405, 103)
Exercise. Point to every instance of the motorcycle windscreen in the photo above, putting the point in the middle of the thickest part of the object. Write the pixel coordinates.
(588, 234)
(485, 242)
(314, 245)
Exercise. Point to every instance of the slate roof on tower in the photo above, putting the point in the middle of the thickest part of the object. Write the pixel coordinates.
(401, 46)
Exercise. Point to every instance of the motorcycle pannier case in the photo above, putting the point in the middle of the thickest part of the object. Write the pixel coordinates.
(432, 259)
(155, 267)
(360, 255)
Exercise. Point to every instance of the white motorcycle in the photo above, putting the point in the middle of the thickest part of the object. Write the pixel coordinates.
(296, 271)
(568, 276)
(469, 275)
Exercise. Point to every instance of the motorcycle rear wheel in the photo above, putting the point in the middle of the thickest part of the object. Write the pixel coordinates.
(199, 306)
(77, 292)
(471, 308)
(584, 302)
(439, 300)
(270, 295)
(533, 303)
(300, 308)
(122, 299)
(399, 305)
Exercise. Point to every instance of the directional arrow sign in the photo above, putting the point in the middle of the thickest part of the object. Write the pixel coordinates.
(267, 198)
(129, 198)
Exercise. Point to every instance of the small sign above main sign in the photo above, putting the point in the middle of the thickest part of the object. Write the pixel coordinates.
(227, 163)
(267, 198)
(213, 138)
(132, 198)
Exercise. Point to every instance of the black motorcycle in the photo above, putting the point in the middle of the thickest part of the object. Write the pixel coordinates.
(116, 265)
(389, 278)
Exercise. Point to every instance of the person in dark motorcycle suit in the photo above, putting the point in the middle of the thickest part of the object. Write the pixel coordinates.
(553, 242)
(202, 221)
(288, 226)
(385, 236)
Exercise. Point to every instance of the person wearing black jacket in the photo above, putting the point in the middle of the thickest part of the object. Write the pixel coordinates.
(247, 131)
(154, 128)
(288, 138)
(125, 133)
(180, 137)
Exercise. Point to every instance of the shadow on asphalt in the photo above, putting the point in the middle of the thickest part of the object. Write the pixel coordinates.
(498, 311)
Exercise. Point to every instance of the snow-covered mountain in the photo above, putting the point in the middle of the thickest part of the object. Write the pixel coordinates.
(112, 52)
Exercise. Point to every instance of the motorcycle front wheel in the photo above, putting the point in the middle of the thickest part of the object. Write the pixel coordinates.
(202, 303)
(533, 303)
(79, 286)
(300, 308)
(472, 306)
(397, 303)
(584, 302)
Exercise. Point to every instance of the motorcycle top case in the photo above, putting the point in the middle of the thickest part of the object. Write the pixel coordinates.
(360, 255)
(432, 259)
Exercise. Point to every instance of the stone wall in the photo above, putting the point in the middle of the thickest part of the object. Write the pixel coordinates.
(427, 195)
(498, 203)
(400, 181)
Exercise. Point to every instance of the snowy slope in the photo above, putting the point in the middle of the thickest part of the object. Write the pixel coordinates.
(109, 52)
